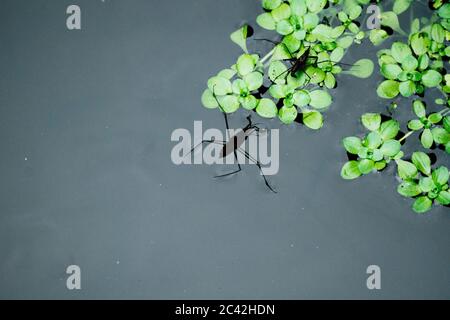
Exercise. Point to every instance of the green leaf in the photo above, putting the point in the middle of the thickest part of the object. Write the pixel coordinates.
(407, 88)
(415, 125)
(249, 102)
(435, 118)
(377, 36)
(401, 6)
(400, 51)
(391, 71)
(245, 64)
(313, 120)
(373, 140)
(277, 70)
(253, 80)
(350, 170)
(420, 43)
(362, 69)
(444, 11)
(229, 103)
(419, 108)
(287, 115)
(438, 33)
(240, 37)
(266, 108)
(284, 27)
(422, 205)
(208, 100)
(388, 89)
(406, 170)
(410, 63)
(391, 148)
(323, 33)
(282, 12)
(371, 121)
(366, 166)
(278, 91)
(444, 198)
(352, 144)
(409, 189)
(422, 162)
(427, 138)
(315, 6)
(320, 99)
(281, 53)
(431, 78)
(271, 4)
(298, 7)
(390, 19)
(310, 21)
(220, 86)
(302, 98)
(426, 184)
(440, 176)
(440, 135)
(389, 129)
(266, 21)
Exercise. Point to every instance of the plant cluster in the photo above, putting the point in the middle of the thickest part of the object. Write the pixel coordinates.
(322, 29)
(414, 67)
(314, 37)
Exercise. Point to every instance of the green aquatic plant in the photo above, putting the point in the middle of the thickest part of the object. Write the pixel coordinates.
(313, 35)
(414, 67)
(294, 82)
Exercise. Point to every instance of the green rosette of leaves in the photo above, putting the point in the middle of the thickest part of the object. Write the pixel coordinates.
(420, 182)
(373, 151)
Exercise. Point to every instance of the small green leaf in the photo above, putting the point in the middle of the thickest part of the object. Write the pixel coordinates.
(409, 189)
(220, 86)
(266, 108)
(371, 121)
(229, 103)
(352, 144)
(406, 170)
(320, 99)
(419, 108)
(377, 36)
(208, 100)
(388, 89)
(401, 6)
(362, 69)
(277, 70)
(240, 37)
(266, 21)
(391, 71)
(249, 102)
(282, 12)
(427, 139)
(287, 115)
(415, 125)
(400, 51)
(313, 120)
(440, 135)
(407, 88)
(315, 6)
(373, 140)
(391, 148)
(350, 170)
(389, 129)
(253, 80)
(426, 184)
(444, 198)
(422, 205)
(302, 98)
(422, 162)
(245, 64)
(271, 4)
(366, 166)
(390, 19)
(440, 176)
(431, 78)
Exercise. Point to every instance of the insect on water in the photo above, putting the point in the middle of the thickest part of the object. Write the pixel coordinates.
(234, 143)
(301, 63)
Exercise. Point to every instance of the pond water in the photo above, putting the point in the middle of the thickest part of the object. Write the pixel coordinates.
(87, 179)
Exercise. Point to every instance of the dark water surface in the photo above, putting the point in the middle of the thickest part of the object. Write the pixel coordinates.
(86, 177)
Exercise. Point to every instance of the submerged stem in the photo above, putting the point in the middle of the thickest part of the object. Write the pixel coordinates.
(267, 56)
(406, 136)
